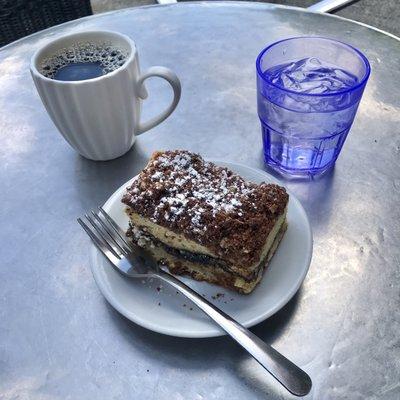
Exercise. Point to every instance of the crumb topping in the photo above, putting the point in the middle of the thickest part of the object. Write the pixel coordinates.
(206, 203)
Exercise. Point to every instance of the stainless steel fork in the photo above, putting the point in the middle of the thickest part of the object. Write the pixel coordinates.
(133, 262)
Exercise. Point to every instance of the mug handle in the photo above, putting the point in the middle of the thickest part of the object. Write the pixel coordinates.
(173, 80)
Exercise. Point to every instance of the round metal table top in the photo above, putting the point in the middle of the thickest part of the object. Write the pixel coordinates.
(59, 339)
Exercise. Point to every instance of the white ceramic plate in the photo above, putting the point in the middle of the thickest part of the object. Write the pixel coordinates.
(159, 308)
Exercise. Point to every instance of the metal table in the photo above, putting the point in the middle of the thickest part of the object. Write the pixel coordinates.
(59, 339)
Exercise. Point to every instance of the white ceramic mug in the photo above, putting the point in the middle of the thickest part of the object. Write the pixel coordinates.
(100, 117)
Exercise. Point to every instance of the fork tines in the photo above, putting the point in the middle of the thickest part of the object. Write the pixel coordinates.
(105, 233)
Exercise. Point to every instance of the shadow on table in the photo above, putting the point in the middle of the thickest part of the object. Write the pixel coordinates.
(316, 195)
(97, 180)
(207, 353)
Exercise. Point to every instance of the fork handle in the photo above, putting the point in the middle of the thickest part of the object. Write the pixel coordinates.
(293, 378)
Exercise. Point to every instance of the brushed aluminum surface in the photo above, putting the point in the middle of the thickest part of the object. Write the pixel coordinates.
(59, 339)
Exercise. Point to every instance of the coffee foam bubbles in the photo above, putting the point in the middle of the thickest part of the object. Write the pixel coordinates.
(110, 57)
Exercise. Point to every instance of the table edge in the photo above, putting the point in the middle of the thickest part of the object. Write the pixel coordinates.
(208, 4)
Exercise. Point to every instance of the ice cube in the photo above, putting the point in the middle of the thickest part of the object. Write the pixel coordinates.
(310, 75)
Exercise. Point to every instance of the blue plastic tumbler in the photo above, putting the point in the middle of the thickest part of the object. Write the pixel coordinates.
(308, 92)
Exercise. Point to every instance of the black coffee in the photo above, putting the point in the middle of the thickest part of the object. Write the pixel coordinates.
(83, 61)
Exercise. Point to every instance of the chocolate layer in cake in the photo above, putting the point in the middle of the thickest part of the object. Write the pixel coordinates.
(203, 267)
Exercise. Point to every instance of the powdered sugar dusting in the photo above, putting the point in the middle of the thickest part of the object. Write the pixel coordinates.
(191, 187)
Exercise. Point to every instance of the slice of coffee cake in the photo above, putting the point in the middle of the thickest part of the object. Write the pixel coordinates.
(202, 220)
